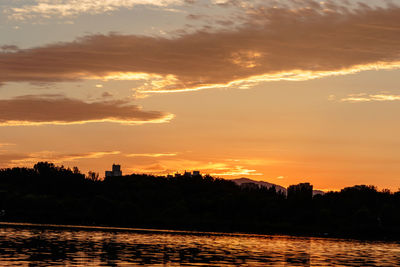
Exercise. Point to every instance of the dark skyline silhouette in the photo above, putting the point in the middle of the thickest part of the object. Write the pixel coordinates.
(48, 193)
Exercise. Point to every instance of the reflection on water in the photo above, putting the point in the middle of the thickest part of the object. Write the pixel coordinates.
(32, 246)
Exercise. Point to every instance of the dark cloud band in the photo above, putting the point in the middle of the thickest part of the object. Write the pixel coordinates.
(272, 43)
(55, 109)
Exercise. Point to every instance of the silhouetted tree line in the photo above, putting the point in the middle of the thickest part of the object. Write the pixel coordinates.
(50, 194)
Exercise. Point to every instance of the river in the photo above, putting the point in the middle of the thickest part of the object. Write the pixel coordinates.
(49, 245)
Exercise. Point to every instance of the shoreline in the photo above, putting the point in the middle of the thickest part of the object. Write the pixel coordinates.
(104, 228)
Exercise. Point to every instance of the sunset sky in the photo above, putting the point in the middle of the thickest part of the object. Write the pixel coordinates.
(278, 91)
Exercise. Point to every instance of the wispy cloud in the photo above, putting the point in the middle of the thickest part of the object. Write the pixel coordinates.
(68, 8)
(152, 155)
(90, 155)
(370, 98)
(6, 144)
(220, 168)
(27, 159)
(238, 171)
(272, 44)
(57, 109)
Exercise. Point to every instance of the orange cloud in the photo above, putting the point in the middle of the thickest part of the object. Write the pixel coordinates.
(152, 155)
(26, 159)
(220, 168)
(278, 43)
(237, 171)
(57, 109)
(370, 98)
(6, 144)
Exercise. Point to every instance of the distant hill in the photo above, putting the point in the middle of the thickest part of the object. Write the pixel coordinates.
(240, 181)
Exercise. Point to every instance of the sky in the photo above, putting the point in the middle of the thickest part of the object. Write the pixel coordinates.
(279, 91)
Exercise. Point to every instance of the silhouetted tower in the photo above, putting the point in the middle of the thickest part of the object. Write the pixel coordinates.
(116, 171)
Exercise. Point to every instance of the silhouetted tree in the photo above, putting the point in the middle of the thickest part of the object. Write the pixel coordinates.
(54, 194)
(93, 176)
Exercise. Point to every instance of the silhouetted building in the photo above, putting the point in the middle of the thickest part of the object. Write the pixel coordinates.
(116, 171)
(187, 174)
(303, 191)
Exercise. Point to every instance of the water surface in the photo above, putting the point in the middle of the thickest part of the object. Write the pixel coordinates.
(59, 246)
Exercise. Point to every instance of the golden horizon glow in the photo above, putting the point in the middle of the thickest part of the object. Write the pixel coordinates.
(152, 155)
